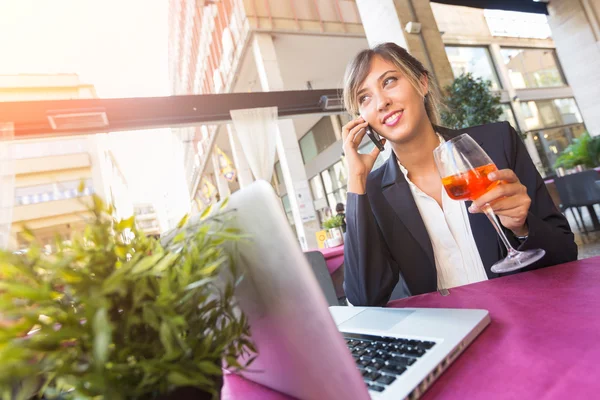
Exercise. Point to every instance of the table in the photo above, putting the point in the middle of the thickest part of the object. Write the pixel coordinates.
(543, 341)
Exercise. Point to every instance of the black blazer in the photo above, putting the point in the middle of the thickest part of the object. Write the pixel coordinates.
(388, 253)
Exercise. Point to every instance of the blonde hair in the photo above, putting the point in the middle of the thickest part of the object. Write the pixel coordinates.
(411, 68)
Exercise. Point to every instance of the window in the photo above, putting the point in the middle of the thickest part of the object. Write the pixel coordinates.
(50, 192)
(517, 24)
(509, 116)
(550, 143)
(319, 138)
(474, 60)
(335, 181)
(532, 68)
(279, 173)
(316, 186)
(548, 113)
(308, 147)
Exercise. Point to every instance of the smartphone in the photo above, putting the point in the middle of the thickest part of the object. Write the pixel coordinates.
(374, 136)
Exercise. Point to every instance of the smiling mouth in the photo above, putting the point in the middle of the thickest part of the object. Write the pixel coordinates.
(394, 118)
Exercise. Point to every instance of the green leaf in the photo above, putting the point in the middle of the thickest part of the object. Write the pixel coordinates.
(210, 368)
(212, 267)
(180, 379)
(27, 234)
(224, 203)
(81, 186)
(168, 341)
(199, 283)
(166, 262)
(146, 263)
(180, 237)
(183, 221)
(21, 291)
(102, 337)
(205, 213)
(126, 223)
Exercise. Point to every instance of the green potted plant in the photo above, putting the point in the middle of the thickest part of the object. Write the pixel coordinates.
(117, 315)
(470, 102)
(333, 226)
(584, 152)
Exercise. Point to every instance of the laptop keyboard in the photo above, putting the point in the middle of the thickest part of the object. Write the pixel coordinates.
(382, 359)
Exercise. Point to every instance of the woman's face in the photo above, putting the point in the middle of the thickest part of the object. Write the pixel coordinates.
(389, 102)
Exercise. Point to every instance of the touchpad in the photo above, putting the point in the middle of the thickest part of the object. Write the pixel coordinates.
(376, 318)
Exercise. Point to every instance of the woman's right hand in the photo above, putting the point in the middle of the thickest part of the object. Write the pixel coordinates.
(359, 165)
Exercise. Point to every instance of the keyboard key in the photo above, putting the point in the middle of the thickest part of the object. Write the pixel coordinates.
(401, 360)
(386, 379)
(426, 345)
(358, 351)
(393, 369)
(364, 361)
(414, 351)
(377, 364)
(371, 375)
(376, 388)
(383, 354)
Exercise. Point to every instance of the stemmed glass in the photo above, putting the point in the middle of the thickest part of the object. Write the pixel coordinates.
(464, 166)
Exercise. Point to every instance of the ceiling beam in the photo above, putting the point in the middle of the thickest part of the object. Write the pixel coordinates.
(30, 118)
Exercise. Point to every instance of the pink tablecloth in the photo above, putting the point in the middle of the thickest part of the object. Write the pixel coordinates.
(543, 342)
(334, 256)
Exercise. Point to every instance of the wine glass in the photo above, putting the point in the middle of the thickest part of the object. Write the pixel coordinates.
(464, 167)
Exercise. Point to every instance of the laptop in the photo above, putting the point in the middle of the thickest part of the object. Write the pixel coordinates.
(314, 352)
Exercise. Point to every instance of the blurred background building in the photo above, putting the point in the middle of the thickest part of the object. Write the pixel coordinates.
(248, 46)
(48, 171)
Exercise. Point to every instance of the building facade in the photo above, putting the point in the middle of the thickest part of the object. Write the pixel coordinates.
(48, 172)
(241, 46)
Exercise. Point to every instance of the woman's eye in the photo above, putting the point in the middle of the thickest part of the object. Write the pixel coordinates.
(389, 80)
(362, 99)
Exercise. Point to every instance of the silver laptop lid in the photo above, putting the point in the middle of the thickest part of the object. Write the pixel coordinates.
(301, 352)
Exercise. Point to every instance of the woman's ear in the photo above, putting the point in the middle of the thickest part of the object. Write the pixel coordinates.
(425, 83)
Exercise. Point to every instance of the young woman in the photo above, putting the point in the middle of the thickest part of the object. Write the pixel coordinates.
(405, 236)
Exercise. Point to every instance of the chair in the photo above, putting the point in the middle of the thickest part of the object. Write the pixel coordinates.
(579, 190)
(319, 267)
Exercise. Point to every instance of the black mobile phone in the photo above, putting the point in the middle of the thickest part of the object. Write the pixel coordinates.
(374, 136)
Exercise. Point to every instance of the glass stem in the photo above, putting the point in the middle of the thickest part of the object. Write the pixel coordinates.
(487, 209)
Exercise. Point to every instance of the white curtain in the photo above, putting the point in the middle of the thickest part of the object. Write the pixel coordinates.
(7, 182)
(256, 129)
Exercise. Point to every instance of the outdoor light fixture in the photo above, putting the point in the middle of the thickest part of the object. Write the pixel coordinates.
(328, 103)
(78, 118)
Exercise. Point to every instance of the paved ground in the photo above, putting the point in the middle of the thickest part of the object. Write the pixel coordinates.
(589, 245)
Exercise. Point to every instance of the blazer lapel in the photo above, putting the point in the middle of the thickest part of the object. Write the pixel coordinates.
(399, 196)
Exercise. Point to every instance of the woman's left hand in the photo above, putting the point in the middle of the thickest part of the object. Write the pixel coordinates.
(509, 200)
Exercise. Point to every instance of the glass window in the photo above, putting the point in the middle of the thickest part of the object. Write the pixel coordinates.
(278, 173)
(316, 186)
(532, 68)
(475, 60)
(308, 147)
(52, 191)
(319, 138)
(548, 113)
(287, 207)
(550, 143)
(508, 115)
(335, 181)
